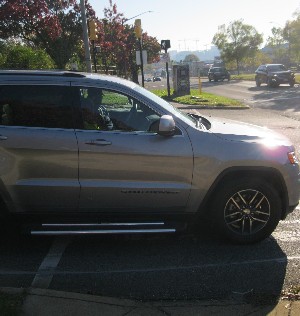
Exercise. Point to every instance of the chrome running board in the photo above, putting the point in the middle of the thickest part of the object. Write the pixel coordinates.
(102, 228)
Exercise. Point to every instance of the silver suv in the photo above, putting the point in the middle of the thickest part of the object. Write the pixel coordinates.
(86, 153)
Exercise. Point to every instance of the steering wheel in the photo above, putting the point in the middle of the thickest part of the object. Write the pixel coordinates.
(105, 116)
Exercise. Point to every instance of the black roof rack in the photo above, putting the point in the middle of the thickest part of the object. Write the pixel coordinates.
(61, 73)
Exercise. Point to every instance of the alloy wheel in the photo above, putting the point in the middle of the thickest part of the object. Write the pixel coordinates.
(247, 212)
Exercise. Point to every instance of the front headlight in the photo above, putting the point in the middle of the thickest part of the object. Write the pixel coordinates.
(293, 158)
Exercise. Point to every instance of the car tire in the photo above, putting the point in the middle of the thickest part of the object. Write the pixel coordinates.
(247, 210)
(258, 83)
(292, 83)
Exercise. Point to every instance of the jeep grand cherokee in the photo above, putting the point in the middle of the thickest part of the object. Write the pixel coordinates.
(86, 153)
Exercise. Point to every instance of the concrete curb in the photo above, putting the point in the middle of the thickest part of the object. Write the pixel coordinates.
(208, 107)
(44, 302)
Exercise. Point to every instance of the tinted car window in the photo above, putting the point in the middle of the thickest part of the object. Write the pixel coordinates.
(277, 68)
(111, 110)
(35, 106)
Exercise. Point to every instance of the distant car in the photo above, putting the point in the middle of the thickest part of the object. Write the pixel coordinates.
(156, 79)
(274, 75)
(218, 73)
(148, 79)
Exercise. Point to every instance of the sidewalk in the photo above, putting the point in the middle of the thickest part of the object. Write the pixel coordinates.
(41, 302)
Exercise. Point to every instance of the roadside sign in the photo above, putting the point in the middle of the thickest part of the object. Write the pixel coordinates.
(165, 58)
(138, 57)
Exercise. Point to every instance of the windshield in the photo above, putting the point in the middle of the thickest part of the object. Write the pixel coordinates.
(167, 106)
(277, 68)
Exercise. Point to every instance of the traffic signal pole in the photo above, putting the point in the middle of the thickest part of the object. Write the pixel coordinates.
(138, 34)
(93, 37)
(165, 44)
(142, 62)
(168, 78)
(85, 38)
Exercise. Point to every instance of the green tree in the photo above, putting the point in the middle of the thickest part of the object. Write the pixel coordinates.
(24, 57)
(291, 35)
(277, 44)
(237, 42)
(251, 63)
(191, 58)
(118, 44)
(54, 26)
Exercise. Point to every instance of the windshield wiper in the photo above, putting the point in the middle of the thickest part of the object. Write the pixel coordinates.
(201, 122)
(197, 119)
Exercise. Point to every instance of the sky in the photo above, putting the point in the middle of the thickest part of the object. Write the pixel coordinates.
(191, 24)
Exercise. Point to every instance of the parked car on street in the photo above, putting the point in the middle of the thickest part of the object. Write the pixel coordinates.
(273, 75)
(156, 78)
(94, 154)
(218, 73)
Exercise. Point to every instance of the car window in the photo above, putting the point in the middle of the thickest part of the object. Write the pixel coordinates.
(276, 68)
(109, 110)
(35, 106)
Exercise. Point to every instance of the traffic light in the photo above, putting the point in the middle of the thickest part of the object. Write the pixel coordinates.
(138, 28)
(93, 30)
(165, 44)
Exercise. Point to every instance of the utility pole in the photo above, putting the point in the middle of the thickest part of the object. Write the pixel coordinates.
(85, 38)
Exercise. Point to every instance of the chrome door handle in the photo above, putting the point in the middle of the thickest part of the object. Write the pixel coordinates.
(99, 142)
(3, 137)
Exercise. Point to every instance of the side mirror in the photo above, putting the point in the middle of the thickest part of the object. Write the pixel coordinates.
(166, 126)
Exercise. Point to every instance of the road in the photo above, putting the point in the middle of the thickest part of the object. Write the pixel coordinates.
(276, 108)
(189, 266)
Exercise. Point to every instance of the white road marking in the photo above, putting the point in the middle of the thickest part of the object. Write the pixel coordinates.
(273, 99)
(44, 275)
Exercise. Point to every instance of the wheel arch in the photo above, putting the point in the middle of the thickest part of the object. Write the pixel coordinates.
(270, 175)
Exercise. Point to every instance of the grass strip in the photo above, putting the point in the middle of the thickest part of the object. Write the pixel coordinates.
(197, 98)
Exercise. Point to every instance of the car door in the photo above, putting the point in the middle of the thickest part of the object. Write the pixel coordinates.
(264, 74)
(123, 166)
(38, 148)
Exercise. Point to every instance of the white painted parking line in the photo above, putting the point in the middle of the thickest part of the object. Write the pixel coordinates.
(44, 275)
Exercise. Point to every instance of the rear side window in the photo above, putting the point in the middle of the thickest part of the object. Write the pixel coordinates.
(36, 106)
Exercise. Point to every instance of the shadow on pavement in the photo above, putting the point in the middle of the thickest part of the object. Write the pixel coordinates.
(181, 267)
(153, 268)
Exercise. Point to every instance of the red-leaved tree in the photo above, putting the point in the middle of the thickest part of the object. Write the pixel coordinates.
(118, 44)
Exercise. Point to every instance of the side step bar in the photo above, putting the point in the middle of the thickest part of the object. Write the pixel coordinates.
(102, 228)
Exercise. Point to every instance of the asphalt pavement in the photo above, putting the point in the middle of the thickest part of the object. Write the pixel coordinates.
(40, 302)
